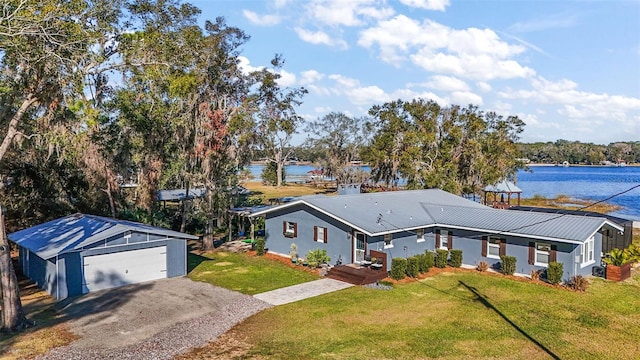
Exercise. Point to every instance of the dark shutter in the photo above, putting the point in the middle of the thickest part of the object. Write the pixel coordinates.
(295, 229)
(315, 233)
(532, 253)
(325, 234)
(438, 239)
(284, 227)
(553, 255)
(503, 247)
(484, 246)
(449, 240)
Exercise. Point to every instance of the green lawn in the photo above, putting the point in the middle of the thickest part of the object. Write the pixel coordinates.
(245, 274)
(451, 316)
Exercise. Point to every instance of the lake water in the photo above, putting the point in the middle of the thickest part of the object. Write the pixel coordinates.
(583, 182)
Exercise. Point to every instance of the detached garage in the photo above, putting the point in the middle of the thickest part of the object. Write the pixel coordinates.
(81, 253)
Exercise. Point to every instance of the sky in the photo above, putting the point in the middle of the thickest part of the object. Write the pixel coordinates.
(569, 69)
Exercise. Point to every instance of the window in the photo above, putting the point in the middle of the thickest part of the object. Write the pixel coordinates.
(444, 239)
(543, 253)
(388, 241)
(289, 229)
(586, 252)
(420, 235)
(493, 247)
(320, 234)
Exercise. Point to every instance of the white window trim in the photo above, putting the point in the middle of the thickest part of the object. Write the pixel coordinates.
(590, 245)
(290, 228)
(444, 239)
(490, 245)
(420, 238)
(319, 238)
(390, 245)
(536, 252)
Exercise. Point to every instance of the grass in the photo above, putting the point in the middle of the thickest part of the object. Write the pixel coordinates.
(263, 193)
(245, 274)
(567, 203)
(450, 316)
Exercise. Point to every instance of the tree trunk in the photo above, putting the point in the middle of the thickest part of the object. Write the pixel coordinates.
(13, 124)
(185, 208)
(279, 166)
(13, 318)
(109, 191)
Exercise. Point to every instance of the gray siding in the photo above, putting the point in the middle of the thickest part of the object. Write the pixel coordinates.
(338, 235)
(176, 258)
(406, 243)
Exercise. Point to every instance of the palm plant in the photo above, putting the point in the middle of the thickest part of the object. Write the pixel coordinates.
(617, 257)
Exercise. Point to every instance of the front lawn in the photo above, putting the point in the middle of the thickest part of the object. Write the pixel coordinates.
(246, 274)
(451, 316)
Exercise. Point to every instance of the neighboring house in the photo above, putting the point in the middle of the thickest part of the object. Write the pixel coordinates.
(81, 253)
(406, 223)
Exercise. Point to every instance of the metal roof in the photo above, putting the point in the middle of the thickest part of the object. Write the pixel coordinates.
(180, 194)
(388, 212)
(76, 231)
(503, 186)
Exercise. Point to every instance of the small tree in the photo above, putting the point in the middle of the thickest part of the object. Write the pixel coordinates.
(456, 258)
(412, 267)
(554, 272)
(260, 243)
(508, 265)
(441, 258)
(398, 268)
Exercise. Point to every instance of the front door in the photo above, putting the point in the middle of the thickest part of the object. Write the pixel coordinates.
(359, 246)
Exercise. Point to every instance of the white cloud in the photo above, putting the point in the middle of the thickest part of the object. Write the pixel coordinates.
(439, 5)
(471, 53)
(483, 86)
(447, 83)
(464, 98)
(347, 13)
(280, 3)
(262, 20)
(319, 37)
(246, 67)
(286, 78)
(547, 22)
(310, 76)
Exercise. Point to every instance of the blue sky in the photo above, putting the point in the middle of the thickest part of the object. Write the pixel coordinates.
(570, 70)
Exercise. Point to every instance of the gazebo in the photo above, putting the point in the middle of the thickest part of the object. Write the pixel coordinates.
(502, 188)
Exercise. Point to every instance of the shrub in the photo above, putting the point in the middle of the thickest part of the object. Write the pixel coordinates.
(294, 252)
(423, 263)
(579, 283)
(535, 274)
(317, 257)
(554, 272)
(508, 265)
(482, 266)
(430, 261)
(617, 257)
(398, 268)
(633, 253)
(456, 258)
(260, 242)
(441, 258)
(412, 266)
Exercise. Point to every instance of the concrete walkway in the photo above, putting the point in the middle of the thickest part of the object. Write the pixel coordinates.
(301, 291)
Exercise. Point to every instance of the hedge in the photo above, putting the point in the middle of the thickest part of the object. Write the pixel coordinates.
(508, 265)
(398, 268)
(441, 258)
(554, 272)
(412, 267)
(456, 258)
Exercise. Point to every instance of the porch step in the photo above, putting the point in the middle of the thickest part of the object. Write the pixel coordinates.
(356, 276)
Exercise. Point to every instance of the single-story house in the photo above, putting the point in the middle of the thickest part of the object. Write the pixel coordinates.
(81, 253)
(406, 223)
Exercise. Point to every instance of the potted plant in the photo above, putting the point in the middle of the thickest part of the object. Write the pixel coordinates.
(294, 253)
(618, 265)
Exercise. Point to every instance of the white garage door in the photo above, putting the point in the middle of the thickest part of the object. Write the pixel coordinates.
(122, 268)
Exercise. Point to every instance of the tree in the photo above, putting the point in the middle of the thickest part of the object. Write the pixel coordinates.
(339, 138)
(456, 149)
(277, 120)
(48, 56)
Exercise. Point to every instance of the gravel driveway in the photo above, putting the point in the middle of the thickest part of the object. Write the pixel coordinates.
(154, 320)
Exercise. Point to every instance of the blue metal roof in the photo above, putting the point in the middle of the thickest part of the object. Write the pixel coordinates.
(74, 232)
(180, 194)
(388, 212)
